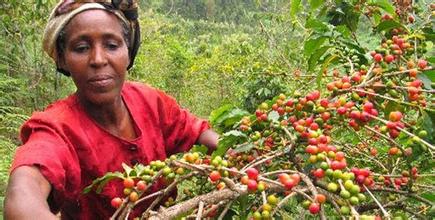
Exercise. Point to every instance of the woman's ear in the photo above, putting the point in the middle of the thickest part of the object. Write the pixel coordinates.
(61, 66)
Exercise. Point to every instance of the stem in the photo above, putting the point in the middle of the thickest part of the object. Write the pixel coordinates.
(200, 209)
(386, 214)
(282, 202)
(391, 99)
(260, 160)
(415, 196)
(405, 131)
(227, 207)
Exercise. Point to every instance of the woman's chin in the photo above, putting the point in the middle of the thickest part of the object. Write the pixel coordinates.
(102, 98)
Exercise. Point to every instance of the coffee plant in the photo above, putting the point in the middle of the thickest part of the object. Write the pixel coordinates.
(353, 140)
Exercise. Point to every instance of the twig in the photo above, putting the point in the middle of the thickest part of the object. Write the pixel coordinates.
(199, 213)
(369, 72)
(351, 65)
(260, 161)
(165, 192)
(263, 195)
(282, 202)
(417, 197)
(386, 214)
(227, 207)
(405, 131)
(390, 99)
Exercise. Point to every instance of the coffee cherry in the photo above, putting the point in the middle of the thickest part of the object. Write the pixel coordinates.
(411, 19)
(314, 208)
(373, 151)
(133, 196)
(220, 186)
(393, 151)
(257, 215)
(214, 176)
(141, 185)
(261, 186)
(422, 64)
(354, 200)
(395, 116)
(389, 58)
(378, 57)
(271, 199)
(128, 182)
(116, 202)
(345, 194)
(252, 173)
(265, 214)
(320, 198)
(244, 180)
(252, 185)
(332, 187)
(289, 183)
(345, 210)
(319, 173)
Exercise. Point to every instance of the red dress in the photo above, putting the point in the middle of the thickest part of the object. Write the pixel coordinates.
(71, 149)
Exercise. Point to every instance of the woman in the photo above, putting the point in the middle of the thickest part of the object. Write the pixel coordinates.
(107, 121)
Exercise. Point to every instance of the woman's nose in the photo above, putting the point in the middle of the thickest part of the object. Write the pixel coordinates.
(98, 57)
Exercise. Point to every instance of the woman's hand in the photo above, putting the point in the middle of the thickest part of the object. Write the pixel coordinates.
(26, 195)
(209, 138)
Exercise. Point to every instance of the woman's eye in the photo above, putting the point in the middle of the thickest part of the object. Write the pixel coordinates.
(112, 46)
(81, 48)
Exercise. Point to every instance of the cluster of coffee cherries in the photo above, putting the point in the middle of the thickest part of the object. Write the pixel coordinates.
(264, 211)
(401, 181)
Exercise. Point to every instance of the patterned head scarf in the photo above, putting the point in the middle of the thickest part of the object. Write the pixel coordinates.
(125, 10)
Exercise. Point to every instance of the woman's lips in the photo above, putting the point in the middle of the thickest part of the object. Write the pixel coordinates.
(101, 81)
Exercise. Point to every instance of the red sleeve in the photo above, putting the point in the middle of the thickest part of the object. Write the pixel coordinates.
(45, 148)
(180, 128)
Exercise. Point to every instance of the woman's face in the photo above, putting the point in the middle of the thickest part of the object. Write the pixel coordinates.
(96, 55)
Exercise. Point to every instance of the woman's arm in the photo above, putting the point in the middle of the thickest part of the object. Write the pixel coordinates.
(26, 195)
(208, 138)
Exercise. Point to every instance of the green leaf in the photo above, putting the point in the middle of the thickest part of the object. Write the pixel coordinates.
(388, 25)
(199, 148)
(317, 25)
(429, 196)
(315, 4)
(426, 80)
(427, 123)
(429, 34)
(243, 201)
(226, 116)
(244, 147)
(294, 8)
(234, 116)
(325, 65)
(217, 113)
(127, 169)
(386, 5)
(101, 182)
(313, 44)
(227, 140)
(344, 30)
(315, 57)
(138, 169)
(430, 75)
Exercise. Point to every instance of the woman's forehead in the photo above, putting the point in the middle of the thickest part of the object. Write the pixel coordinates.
(94, 21)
